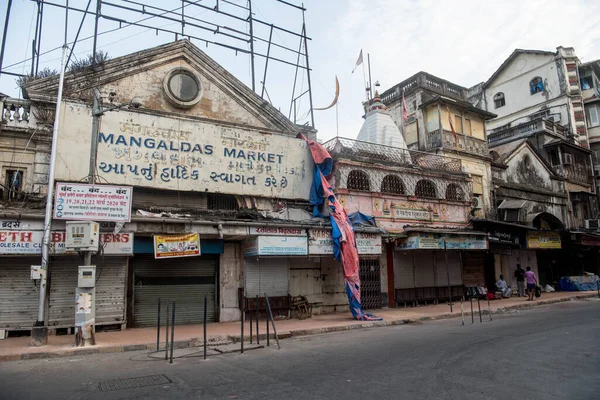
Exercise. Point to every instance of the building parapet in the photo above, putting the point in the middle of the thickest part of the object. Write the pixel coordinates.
(376, 153)
(425, 81)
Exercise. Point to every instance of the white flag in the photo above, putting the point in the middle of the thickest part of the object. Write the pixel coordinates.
(358, 62)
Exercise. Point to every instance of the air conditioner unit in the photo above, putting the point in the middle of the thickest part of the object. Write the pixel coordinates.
(477, 203)
(592, 224)
(82, 236)
(567, 159)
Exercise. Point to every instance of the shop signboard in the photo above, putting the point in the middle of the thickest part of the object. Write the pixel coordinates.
(30, 243)
(171, 246)
(466, 243)
(320, 242)
(276, 231)
(276, 246)
(586, 240)
(543, 240)
(84, 202)
(422, 241)
(368, 243)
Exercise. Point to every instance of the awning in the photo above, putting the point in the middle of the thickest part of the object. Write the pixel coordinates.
(445, 231)
(512, 204)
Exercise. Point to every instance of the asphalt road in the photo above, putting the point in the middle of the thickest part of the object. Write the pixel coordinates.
(551, 352)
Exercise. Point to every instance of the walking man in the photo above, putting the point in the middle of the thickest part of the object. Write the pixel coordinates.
(531, 283)
(520, 275)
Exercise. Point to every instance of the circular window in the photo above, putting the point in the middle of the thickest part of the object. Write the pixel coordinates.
(183, 87)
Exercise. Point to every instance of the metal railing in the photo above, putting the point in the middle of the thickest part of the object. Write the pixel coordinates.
(501, 135)
(376, 153)
(462, 142)
(425, 81)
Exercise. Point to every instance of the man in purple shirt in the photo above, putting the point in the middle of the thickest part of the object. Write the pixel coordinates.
(531, 283)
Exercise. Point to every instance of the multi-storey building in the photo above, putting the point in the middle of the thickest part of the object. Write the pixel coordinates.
(440, 119)
(542, 166)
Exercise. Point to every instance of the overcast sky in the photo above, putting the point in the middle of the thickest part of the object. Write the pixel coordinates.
(463, 41)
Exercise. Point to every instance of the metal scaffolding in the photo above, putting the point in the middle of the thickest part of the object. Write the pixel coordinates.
(225, 23)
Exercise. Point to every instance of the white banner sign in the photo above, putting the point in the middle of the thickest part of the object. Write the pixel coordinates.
(30, 242)
(178, 154)
(83, 202)
(368, 243)
(320, 242)
(276, 246)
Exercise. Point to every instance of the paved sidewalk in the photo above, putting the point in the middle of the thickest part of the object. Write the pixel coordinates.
(13, 349)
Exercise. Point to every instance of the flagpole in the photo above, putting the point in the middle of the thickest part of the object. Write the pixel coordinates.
(370, 80)
(365, 81)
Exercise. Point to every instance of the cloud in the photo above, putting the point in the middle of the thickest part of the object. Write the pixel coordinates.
(463, 41)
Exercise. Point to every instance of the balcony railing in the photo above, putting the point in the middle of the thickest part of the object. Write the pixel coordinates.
(17, 113)
(503, 135)
(576, 172)
(464, 143)
(426, 81)
(376, 153)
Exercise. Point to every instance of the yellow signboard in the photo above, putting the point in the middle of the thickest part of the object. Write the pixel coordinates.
(543, 240)
(168, 246)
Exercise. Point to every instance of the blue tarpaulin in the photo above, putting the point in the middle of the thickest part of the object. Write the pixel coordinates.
(579, 283)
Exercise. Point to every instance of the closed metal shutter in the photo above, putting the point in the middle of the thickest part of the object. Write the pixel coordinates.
(454, 270)
(404, 274)
(267, 275)
(111, 277)
(186, 280)
(424, 276)
(19, 295)
(473, 268)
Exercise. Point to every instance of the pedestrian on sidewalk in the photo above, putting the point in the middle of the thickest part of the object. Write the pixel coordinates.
(520, 275)
(531, 283)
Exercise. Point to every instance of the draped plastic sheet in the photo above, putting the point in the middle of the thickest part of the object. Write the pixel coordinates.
(344, 241)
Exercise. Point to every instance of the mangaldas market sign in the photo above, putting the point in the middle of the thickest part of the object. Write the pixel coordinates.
(30, 242)
(170, 246)
(177, 154)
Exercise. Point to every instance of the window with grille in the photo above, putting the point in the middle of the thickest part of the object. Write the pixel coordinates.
(392, 184)
(220, 201)
(358, 180)
(499, 100)
(536, 85)
(454, 192)
(425, 189)
(14, 183)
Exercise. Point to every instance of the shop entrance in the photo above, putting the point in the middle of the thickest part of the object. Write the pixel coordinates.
(370, 284)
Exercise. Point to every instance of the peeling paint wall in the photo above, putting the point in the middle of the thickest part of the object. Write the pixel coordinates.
(231, 277)
(334, 292)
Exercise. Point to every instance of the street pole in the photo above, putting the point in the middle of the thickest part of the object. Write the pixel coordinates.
(39, 333)
(96, 112)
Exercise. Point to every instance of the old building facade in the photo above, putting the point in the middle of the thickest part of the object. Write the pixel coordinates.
(421, 201)
(203, 155)
(543, 185)
(435, 109)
